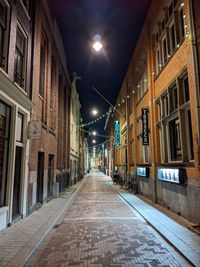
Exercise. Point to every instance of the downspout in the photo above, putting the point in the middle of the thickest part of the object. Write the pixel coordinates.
(195, 69)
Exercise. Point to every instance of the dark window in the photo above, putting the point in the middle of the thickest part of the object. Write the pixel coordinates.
(164, 50)
(3, 26)
(175, 3)
(182, 24)
(20, 58)
(163, 25)
(43, 52)
(4, 148)
(165, 106)
(26, 4)
(157, 37)
(170, 9)
(172, 38)
(173, 98)
(175, 140)
(191, 147)
(184, 89)
(53, 77)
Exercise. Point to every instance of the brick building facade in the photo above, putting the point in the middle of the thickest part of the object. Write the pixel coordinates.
(49, 159)
(159, 120)
(15, 106)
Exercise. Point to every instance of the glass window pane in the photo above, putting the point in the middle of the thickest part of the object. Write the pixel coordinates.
(19, 129)
(4, 143)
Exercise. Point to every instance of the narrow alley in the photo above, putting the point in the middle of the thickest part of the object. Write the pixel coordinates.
(101, 229)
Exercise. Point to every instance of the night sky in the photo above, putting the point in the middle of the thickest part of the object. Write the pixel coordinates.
(119, 23)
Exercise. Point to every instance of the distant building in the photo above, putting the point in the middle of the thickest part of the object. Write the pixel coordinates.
(75, 121)
(15, 107)
(158, 102)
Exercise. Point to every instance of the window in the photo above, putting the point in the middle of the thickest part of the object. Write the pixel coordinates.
(175, 126)
(20, 58)
(43, 53)
(164, 50)
(184, 89)
(53, 78)
(26, 4)
(19, 130)
(189, 136)
(175, 139)
(4, 31)
(4, 146)
(165, 105)
(172, 37)
(173, 25)
(158, 61)
(181, 23)
(170, 9)
(173, 95)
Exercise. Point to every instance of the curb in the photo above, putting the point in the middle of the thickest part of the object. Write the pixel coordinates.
(28, 250)
(157, 230)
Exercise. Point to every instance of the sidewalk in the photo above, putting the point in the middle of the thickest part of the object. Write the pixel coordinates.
(18, 242)
(183, 239)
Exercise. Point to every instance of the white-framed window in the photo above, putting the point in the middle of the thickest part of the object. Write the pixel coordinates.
(158, 61)
(5, 116)
(175, 124)
(20, 57)
(4, 33)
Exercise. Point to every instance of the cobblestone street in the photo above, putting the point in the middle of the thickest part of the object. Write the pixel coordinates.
(101, 229)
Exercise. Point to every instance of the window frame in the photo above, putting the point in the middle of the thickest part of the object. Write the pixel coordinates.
(21, 79)
(5, 39)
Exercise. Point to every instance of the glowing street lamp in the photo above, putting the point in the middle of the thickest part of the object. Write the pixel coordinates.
(97, 46)
(94, 111)
(94, 133)
(94, 141)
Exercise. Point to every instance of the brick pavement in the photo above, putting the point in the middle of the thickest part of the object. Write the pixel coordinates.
(18, 242)
(100, 229)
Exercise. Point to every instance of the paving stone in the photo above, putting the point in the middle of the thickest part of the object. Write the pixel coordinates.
(101, 230)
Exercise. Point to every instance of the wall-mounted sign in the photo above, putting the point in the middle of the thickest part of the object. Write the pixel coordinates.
(117, 134)
(145, 127)
(35, 128)
(143, 171)
(177, 176)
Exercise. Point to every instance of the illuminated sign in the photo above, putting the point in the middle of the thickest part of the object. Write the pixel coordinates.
(117, 134)
(143, 171)
(177, 176)
(145, 127)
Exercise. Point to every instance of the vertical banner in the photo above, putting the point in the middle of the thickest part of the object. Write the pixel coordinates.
(145, 127)
(117, 134)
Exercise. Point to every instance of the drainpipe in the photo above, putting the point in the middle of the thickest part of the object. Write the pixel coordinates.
(195, 69)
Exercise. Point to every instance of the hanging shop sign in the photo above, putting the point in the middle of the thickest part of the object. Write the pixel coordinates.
(34, 130)
(143, 171)
(117, 134)
(177, 176)
(145, 127)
